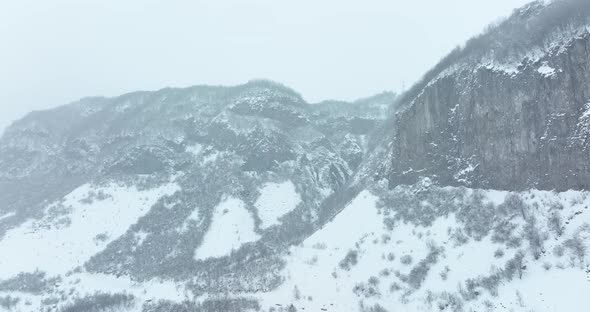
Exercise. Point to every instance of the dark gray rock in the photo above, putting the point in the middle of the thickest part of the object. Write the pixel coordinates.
(511, 122)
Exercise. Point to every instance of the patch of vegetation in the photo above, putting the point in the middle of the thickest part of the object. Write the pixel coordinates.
(406, 259)
(503, 231)
(350, 260)
(8, 302)
(555, 223)
(33, 283)
(420, 271)
(374, 308)
(422, 203)
(444, 274)
(449, 302)
(417, 204)
(558, 251)
(473, 287)
(505, 227)
(213, 305)
(100, 302)
(535, 237)
(168, 251)
(366, 290)
(476, 216)
(92, 196)
(515, 266)
(394, 287)
(576, 247)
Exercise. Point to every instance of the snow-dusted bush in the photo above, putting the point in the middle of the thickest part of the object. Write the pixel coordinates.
(444, 274)
(417, 203)
(499, 253)
(492, 282)
(555, 223)
(450, 302)
(394, 287)
(34, 283)
(373, 281)
(534, 236)
(420, 271)
(513, 204)
(470, 291)
(374, 308)
(476, 216)
(558, 251)
(515, 266)
(350, 260)
(406, 259)
(576, 247)
(221, 304)
(458, 237)
(8, 302)
(100, 302)
(366, 290)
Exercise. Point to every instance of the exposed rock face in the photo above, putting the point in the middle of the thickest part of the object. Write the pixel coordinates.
(508, 123)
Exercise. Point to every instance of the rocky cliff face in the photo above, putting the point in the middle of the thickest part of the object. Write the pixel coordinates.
(513, 116)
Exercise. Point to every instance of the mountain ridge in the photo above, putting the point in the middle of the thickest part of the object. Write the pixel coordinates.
(459, 195)
(493, 108)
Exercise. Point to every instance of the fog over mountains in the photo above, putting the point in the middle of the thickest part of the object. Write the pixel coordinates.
(468, 192)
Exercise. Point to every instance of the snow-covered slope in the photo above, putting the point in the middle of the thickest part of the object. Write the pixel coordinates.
(189, 192)
(231, 227)
(363, 260)
(76, 228)
(414, 248)
(276, 200)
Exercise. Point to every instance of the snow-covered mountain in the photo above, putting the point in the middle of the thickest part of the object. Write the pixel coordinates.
(202, 188)
(509, 110)
(469, 192)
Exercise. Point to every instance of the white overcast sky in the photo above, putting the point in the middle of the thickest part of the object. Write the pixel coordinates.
(55, 52)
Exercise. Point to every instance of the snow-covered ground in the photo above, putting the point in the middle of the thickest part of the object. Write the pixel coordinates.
(79, 285)
(231, 227)
(317, 276)
(353, 263)
(310, 266)
(276, 200)
(546, 70)
(76, 228)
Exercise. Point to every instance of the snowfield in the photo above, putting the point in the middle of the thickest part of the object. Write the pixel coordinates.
(231, 227)
(276, 200)
(359, 261)
(356, 263)
(310, 266)
(76, 228)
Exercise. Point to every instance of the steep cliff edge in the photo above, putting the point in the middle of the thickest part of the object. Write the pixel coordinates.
(510, 110)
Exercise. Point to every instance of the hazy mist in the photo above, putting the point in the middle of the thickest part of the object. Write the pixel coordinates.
(54, 52)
